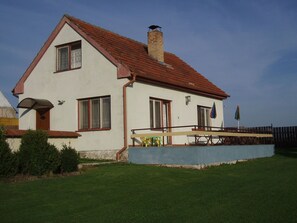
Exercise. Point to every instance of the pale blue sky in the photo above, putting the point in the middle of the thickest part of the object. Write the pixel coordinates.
(247, 48)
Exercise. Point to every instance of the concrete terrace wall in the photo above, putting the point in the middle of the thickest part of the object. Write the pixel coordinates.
(198, 155)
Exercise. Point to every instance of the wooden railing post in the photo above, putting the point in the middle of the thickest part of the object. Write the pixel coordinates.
(163, 138)
(133, 132)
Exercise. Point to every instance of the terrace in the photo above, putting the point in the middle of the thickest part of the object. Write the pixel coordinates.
(205, 135)
(196, 145)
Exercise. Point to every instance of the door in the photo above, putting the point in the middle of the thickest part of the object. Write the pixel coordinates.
(43, 119)
(160, 117)
(203, 117)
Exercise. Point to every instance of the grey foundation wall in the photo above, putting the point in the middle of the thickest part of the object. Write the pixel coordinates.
(197, 155)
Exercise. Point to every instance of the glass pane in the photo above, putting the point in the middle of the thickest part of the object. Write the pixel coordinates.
(151, 113)
(165, 115)
(95, 113)
(106, 119)
(201, 117)
(83, 115)
(157, 114)
(63, 58)
(76, 56)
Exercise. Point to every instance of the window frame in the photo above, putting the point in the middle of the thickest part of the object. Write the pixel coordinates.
(207, 119)
(152, 111)
(70, 47)
(90, 115)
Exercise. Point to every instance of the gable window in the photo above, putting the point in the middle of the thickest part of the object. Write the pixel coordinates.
(203, 116)
(94, 113)
(159, 113)
(69, 56)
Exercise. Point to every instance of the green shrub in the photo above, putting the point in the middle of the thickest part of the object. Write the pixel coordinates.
(53, 161)
(69, 159)
(36, 156)
(8, 160)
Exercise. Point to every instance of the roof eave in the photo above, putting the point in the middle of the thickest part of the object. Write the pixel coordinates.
(185, 89)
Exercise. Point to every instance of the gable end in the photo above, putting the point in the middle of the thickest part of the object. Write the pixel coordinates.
(122, 71)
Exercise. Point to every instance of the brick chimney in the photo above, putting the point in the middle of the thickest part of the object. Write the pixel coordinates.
(155, 43)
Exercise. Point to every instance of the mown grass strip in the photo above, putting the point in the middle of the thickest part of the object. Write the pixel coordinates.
(262, 190)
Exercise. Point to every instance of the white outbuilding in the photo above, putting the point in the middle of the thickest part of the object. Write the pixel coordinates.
(6, 109)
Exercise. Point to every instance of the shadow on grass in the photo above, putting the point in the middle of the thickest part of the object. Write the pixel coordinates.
(288, 152)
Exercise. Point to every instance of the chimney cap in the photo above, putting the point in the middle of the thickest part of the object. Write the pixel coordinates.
(153, 27)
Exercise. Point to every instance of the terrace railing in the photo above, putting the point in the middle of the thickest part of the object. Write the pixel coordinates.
(203, 135)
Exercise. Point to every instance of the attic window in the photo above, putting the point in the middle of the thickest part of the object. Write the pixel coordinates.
(69, 56)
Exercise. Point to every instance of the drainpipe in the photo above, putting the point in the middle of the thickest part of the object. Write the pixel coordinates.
(118, 154)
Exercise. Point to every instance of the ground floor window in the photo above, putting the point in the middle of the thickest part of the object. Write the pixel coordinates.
(94, 113)
(203, 116)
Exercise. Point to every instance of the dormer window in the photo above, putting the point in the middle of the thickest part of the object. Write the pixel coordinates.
(69, 56)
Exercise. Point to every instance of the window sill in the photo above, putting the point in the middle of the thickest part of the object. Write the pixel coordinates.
(93, 130)
(61, 71)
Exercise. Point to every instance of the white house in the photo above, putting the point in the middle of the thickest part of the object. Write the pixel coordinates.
(89, 80)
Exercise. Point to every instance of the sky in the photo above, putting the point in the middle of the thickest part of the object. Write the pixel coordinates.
(247, 48)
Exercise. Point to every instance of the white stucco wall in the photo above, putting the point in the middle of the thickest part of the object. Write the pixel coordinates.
(181, 114)
(15, 143)
(96, 77)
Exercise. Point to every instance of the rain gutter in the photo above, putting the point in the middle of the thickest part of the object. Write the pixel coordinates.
(118, 154)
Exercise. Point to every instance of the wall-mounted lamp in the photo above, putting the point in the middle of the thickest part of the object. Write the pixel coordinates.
(60, 102)
(188, 99)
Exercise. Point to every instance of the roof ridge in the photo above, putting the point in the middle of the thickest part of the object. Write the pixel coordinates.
(109, 31)
(104, 29)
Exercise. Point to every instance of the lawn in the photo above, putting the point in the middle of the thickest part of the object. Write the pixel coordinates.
(262, 190)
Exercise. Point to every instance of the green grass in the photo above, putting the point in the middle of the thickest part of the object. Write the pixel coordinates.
(262, 190)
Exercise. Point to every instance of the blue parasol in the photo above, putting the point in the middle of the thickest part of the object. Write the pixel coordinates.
(237, 116)
(213, 112)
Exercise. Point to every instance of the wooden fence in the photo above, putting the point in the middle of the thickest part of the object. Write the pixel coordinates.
(282, 136)
(262, 129)
(285, 136)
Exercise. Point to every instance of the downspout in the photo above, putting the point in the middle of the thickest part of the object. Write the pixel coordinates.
(118, 154)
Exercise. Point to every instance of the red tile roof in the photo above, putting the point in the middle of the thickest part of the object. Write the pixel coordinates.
(131, 56)
(134, 55)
